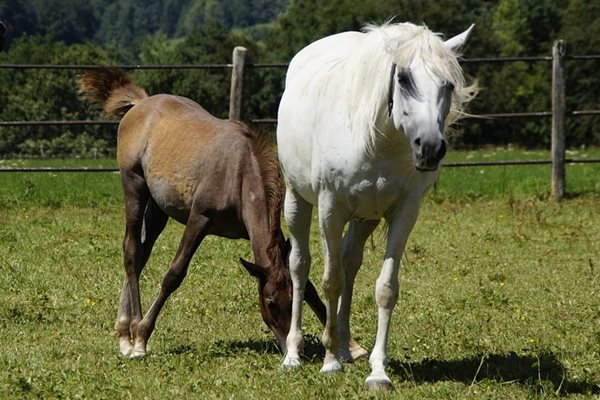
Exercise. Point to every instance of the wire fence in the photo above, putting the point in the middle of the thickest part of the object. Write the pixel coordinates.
(236, 101)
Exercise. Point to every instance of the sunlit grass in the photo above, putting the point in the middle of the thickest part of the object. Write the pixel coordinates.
(499, 299)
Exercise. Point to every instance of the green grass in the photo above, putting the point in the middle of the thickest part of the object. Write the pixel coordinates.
(516, 180)
(499, 299)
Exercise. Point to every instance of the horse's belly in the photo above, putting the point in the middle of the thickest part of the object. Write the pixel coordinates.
(172, 196)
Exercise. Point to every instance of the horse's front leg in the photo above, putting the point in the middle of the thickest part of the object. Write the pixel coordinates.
(331, 224)
(297, 214)
(387, 290)
(195, 230)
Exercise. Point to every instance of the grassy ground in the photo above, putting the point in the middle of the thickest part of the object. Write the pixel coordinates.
(500, 299)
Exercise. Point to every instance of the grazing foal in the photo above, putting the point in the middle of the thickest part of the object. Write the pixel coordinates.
(215, 176)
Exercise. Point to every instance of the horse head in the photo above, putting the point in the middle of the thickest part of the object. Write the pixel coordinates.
(420, 97)
(275, 295)
(274, 298)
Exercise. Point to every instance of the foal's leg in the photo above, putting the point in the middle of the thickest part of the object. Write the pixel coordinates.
(387, 289)
(352, 256)
(331, 224)
(154, 223)
(297, 214)
(195, 230)
(130, 312)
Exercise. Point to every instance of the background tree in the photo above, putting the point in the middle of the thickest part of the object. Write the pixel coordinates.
(19, 18)
(206, 31)
(43, 94)
(581, 30)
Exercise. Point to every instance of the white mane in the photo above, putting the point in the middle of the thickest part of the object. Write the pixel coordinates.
(370, 66)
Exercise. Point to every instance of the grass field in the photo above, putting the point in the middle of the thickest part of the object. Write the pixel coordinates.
(500, 297)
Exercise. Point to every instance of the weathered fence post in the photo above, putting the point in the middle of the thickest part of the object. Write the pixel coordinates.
(558, 119)
(237, 83)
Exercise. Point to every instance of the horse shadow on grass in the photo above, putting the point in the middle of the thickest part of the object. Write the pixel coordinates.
(313, 349)
(543, 372)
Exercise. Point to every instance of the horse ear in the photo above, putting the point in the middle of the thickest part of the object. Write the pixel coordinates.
(287, 248)
(254, 269)
(456, 43)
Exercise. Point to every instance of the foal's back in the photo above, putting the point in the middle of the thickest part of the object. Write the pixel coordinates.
(186, 154)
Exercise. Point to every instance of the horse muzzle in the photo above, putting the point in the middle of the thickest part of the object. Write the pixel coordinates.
(428, 154)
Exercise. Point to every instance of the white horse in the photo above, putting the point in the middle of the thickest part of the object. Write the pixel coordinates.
(361, 136)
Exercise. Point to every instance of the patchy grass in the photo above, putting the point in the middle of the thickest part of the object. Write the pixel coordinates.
(499, 299)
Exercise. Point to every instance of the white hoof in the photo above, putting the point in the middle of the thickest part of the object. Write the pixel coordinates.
(138, 353)
(378, 383)
(290, 362)
(331, 367)
(125, 346)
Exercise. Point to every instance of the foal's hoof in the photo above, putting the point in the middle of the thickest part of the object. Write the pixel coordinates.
(125, 347)
(138, 353)
(331, 367)
(378, 383)
(290, 362)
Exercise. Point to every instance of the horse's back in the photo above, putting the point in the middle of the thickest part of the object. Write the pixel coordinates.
(157, 117)
(179, 146)
(319, 56)
(310, 108)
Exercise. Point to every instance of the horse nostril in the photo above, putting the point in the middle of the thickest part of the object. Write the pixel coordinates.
(442, 151)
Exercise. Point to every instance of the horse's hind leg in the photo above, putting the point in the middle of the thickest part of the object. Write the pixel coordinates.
(154, 222)
(352, 257)
(195, 230)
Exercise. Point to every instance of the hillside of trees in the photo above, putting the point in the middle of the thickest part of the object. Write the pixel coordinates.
(206, 31)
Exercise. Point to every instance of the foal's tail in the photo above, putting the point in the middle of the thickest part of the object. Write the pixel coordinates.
(111, 89)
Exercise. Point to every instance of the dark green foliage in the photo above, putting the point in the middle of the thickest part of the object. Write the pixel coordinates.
(206, 31)
(47, 94)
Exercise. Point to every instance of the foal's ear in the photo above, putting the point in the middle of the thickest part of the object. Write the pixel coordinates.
(287, 248)
(253, 269)
(457, 42)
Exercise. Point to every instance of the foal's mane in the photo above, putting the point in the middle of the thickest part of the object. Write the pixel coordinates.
(369, 65)
(264, 151)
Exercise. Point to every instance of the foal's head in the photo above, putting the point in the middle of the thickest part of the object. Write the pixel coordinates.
(273, 274)
(274, 291)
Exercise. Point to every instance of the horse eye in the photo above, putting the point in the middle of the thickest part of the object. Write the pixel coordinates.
(403, 79)
(270, 303)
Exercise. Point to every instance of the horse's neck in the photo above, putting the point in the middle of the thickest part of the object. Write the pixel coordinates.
(262, 227)
(389, 141)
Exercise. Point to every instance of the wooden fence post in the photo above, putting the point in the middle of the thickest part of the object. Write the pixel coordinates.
(558, 119)
(237, 83)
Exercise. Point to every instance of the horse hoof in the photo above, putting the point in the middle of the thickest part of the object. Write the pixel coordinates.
(345, 355)
(137, 353)
(378, 384)
(125, 347)
(358, 352)
(290, 362)
(331, 367)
